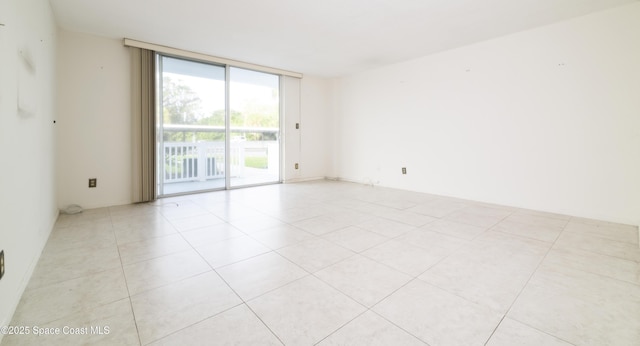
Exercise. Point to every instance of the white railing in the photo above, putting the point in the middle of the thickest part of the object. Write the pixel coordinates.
(200, 161)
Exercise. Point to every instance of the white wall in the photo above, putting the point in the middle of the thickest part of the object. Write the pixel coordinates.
(307, 145)
(94, 121)
(547, 119)
(315, 112)
(290, 135)
(27, 138)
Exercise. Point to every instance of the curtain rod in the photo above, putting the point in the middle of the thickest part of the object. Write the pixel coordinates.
(204, 57)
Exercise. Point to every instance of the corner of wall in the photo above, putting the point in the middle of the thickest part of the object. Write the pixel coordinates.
(94, 107)
(28, 45)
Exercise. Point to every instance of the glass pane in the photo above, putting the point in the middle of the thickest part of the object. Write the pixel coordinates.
(192, 147)
(254, 99)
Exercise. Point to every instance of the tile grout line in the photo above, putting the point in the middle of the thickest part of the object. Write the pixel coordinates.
(412, 279)
(133, 312)
(208, 264)
(344, 325)
(309, 273)
(229, 286)
(264, 323)
(199, 274)
(367, 309)
(524, 287)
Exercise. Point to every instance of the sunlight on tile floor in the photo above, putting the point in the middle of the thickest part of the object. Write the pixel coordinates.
(332, 263)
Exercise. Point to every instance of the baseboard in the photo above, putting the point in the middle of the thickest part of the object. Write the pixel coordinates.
(27, 275)
(354, 181)
(569, 212)
(300, 180)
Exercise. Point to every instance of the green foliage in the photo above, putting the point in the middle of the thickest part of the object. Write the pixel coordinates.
(256, 162)
(183, 106)
(180, 103)
(215, 119)
(179, 106)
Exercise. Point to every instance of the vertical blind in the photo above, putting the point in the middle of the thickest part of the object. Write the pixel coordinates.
(143, 126)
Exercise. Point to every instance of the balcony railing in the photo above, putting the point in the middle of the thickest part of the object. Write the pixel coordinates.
(200, 161)
(205, 160)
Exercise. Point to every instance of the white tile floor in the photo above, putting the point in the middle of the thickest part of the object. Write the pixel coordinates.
(333, 263)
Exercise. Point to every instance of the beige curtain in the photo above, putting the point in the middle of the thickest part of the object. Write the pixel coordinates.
(143, 129)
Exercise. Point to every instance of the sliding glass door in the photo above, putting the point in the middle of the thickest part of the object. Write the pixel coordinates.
(254, 127)
(218, 127)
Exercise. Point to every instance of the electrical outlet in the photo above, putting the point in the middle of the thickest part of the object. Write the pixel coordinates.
(296, 166)
(1, 264)
(404, 170)
(93, 182)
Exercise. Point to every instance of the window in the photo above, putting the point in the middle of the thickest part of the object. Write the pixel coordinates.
(219, 126)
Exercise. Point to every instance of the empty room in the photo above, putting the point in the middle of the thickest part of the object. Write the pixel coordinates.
(290, 172)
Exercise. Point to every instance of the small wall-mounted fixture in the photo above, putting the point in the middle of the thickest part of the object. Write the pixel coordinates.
(93, 182)
(1, 264)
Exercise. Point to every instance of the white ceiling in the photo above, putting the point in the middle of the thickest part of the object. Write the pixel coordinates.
(322, 37)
